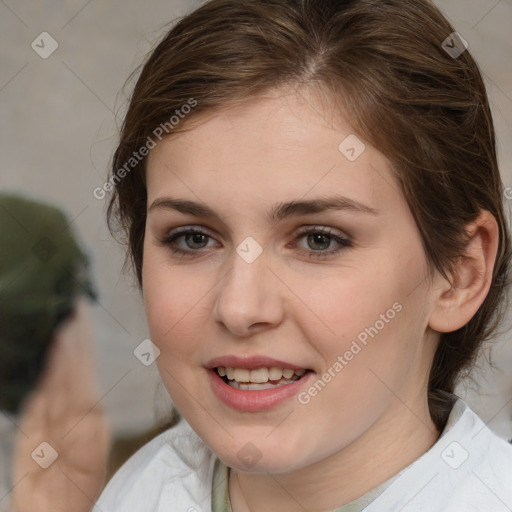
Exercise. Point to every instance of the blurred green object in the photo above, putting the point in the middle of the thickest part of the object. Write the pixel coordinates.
(42, 270)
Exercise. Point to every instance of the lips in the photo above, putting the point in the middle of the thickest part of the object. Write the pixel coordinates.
(251, 363)
(231, 378)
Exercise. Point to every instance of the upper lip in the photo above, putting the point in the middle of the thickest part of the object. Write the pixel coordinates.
(251, 363)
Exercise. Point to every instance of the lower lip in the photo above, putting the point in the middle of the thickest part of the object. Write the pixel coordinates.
(258, 400)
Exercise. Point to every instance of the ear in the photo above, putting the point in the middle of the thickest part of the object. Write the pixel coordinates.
(456, 302)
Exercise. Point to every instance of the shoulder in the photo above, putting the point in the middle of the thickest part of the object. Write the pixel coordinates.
(487, 484)
(468, 469)
(172, 472)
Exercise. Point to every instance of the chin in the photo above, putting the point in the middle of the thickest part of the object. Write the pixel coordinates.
(257, 458)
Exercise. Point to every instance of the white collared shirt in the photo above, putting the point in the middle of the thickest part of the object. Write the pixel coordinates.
(468, 469)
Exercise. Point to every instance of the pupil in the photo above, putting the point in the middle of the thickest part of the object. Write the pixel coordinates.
(197, 238)
(318, 238)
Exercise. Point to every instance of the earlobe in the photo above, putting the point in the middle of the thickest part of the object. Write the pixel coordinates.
(457, 301)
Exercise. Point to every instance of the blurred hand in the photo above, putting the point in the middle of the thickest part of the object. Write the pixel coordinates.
(62, 412)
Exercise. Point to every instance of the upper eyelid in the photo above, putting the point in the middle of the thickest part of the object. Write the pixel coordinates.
(183, 230)
(300, 232)
(297, 231)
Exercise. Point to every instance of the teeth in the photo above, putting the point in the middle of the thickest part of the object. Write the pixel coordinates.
(249, 386)
(275, 373)
(288, 374)
(242, 375)
(260, 375)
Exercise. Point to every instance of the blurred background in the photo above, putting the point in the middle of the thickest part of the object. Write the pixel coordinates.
(63, 67)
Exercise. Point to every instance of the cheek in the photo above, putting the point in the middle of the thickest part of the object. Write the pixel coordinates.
(350, 301)
(372, 319)
(172, 299)
(173, 306)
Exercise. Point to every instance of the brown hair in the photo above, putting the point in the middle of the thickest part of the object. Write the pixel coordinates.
(383, 62)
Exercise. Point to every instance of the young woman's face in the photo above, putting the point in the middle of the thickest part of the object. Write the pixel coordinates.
(270, 245)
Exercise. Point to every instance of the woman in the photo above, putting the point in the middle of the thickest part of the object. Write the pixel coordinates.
(313, 206)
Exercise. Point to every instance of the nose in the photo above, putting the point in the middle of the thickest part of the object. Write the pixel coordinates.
(249, 297)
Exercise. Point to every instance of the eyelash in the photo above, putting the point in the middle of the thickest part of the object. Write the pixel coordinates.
(344, 243)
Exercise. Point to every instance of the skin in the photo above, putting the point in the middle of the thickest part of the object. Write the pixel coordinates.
(63, 411)
(372, 419)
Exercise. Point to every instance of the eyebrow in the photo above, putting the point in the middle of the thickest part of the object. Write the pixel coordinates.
(277, 213)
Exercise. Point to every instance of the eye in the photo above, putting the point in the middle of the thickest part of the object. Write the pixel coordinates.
(319, 239)
(193, 238)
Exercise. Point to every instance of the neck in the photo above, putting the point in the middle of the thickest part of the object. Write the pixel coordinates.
(388, 446)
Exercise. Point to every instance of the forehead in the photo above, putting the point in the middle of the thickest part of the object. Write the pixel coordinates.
(280, 147)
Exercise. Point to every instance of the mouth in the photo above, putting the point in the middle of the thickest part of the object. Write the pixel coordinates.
(259, 379)
(256, 383)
